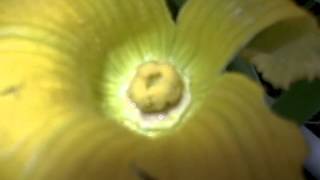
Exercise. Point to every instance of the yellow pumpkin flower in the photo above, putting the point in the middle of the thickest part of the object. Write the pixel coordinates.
(115, 89)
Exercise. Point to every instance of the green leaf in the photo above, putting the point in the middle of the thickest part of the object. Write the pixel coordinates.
(300, 102)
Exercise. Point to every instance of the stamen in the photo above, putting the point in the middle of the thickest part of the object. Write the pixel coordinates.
(156, 87)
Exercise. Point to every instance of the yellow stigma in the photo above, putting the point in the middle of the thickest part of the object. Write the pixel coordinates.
(156, 87)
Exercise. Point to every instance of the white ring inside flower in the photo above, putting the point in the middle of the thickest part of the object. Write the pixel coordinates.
(156, 87)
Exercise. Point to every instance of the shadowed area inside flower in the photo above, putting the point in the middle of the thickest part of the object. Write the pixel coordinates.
(99, 89)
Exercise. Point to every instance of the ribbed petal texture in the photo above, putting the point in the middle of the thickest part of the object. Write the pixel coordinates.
(63, 62)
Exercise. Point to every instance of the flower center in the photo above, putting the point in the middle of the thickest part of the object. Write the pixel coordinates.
(156, 87)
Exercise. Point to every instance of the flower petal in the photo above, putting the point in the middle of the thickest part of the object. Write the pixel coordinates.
(210, 33)
(287, 52)
(51, 62)
(81, 34)
(233, 136)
